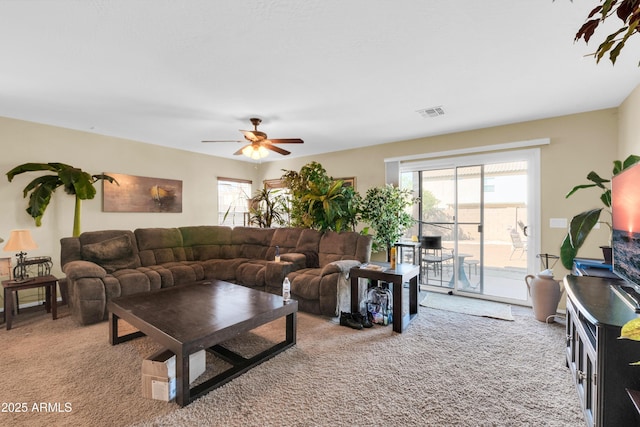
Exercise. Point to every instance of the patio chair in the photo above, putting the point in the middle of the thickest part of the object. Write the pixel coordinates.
(517, 243)
(433, 256)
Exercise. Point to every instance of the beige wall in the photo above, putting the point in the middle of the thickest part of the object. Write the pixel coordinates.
(579, 143)
(629, 125)
(24, 142)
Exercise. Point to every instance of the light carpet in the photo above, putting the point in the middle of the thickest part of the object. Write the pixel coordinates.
(472, 306)
(446, 369)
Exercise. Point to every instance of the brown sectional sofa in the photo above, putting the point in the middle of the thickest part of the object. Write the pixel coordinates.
(100, 265)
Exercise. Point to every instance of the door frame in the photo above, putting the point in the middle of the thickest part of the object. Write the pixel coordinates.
(532, 156)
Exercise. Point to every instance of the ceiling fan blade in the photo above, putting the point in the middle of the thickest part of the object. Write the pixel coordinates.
(276, 149)
(237, 153)
(224, 140)
(286, 141)
(253, 136)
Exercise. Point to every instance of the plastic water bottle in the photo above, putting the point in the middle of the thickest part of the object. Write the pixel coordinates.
(286, 290)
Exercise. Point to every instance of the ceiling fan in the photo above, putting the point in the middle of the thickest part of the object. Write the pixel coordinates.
(259, 143)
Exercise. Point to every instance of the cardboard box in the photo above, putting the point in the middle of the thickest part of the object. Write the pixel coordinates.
(158, 388)
(159, 373)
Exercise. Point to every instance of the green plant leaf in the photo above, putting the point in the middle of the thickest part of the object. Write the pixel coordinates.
(595, 178)
(567, 253)
(606, 198)
(631, 330)
(578, 187)
(31, 167)
(77, 182)
(629, 161)
(40, 198)
(581, 225)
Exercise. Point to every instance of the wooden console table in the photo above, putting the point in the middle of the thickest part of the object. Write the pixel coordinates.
(599, 362)
(403, 273)
(48, 282)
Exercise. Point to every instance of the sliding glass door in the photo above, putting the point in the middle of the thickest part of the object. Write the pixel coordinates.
(478, 209)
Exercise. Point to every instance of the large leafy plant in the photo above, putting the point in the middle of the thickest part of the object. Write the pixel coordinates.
(320, 202)
(582, 224)
(627, 11)
(267, 207)
(385, 209)
(74, 181)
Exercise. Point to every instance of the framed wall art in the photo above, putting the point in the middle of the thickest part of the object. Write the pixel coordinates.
(348, 182)
(141, 194)
(274, 183)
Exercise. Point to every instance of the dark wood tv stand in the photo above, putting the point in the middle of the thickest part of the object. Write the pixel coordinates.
(598, 360)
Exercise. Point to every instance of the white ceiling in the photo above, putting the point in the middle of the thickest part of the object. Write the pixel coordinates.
(337, 73)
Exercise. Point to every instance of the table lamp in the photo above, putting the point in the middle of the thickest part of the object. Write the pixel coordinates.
(20, 240)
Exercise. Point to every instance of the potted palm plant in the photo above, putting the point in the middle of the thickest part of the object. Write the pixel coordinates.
(267, 208)
(582, 224)
(74, 181)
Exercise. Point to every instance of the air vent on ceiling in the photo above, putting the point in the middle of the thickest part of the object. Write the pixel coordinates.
(431, 112)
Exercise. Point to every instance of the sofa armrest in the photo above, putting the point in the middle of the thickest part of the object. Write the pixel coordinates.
(342, 266)
(298, 260)
(275, 272)
(81, 269)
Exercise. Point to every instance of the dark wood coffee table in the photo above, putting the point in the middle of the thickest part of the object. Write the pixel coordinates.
(187, 319)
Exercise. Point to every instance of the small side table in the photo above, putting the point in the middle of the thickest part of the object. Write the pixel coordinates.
(415, 248)
(49, 283)
(403, 273)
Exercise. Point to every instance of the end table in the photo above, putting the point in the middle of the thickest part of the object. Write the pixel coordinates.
(403, 273)
(48, 282)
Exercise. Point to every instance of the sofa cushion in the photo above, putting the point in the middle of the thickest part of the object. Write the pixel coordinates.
(306, 283)
(112, 254)
(252, 242)
(286, 239)
(160, 245)
(347, 245)
(203, 242)
(252, 273)
(132, 281)
(308, 244)
(222, 269)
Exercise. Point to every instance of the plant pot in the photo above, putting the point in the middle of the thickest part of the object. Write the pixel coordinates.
(545, 295)
(607, 253)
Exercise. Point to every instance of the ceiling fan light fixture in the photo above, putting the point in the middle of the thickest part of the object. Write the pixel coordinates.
(255, 152)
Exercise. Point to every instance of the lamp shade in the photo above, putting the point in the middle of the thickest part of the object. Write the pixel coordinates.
(20, 240)
(255, 151)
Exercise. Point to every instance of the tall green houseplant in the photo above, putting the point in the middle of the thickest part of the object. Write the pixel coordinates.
(267, 207)
(385, 209)
(320, 202)
(582, 224)
(74, 181)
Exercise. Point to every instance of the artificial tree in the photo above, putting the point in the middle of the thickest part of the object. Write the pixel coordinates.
(74, 181)
(385, 209)
(627, 11)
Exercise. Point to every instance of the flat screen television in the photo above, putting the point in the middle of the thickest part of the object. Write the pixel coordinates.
(625, 209)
